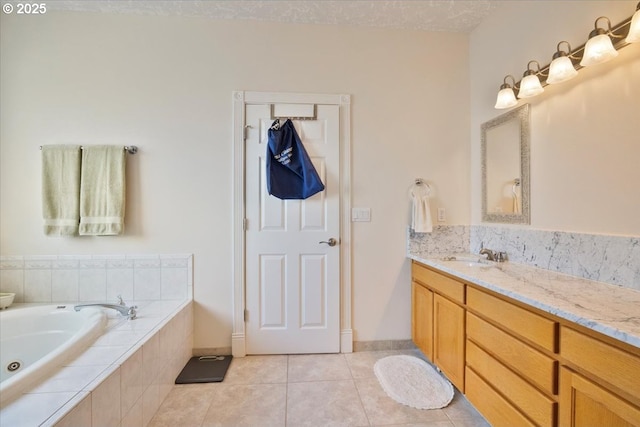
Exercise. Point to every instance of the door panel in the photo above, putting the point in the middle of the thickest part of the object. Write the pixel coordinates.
(313, 286)
(273, 291)
(293, 281)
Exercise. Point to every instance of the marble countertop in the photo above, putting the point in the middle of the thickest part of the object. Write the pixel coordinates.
(609, 309)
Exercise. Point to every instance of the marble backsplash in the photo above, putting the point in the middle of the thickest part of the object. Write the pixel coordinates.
(609, 259)
(445, 239)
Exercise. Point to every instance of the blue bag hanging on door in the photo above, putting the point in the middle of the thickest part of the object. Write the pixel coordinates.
(290, 173)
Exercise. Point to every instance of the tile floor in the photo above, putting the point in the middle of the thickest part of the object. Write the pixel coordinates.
(303, 390)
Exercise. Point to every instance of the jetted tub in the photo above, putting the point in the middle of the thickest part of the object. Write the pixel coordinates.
(35, 340)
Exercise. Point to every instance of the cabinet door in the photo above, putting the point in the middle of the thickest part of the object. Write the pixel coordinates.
(583, 403)
(422, 319)
(448, 339)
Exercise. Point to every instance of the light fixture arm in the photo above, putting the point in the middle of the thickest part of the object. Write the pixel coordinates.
(506, 85)
(560, 52)
(530, 72)
(609, 32)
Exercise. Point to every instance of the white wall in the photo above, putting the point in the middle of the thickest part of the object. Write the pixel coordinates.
(165, 84)
(585, 133)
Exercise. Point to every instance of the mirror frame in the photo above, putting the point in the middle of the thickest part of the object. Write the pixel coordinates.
(522, 115)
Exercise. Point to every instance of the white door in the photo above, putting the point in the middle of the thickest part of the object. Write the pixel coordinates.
(293, 280)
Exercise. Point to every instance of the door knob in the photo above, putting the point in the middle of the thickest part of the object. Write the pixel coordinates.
(330, 242)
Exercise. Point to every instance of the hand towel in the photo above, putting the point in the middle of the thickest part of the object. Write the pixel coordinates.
(60, 189)
(102, 190)
(290, 173)
(421, 214)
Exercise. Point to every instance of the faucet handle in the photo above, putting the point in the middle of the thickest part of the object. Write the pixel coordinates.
(501, 256)
(120, 300)
(132, 312)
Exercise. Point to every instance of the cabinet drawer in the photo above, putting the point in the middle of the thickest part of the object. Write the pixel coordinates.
(439, 283)
(495, 408)
(529, 362)
(609, 363)
(522, 322)
(538, 407)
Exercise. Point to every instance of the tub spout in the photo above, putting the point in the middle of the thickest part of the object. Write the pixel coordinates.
(130, 312)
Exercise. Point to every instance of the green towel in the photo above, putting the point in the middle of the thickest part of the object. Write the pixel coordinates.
(60, 189)
(102, 190)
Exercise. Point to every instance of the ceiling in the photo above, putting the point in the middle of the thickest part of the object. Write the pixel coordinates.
(428, 15)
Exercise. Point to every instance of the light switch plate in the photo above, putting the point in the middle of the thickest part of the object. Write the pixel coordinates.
(360, 214)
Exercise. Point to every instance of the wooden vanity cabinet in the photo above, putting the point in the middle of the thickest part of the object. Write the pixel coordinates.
(520, 366)
(438, 321)
(599, 382)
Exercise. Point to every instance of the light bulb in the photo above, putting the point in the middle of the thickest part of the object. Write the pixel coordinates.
(530, 86)
(599, 47)
(506, 99)
(634, 27)
(561, 70)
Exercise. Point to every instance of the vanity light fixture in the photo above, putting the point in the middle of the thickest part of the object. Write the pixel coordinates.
(506, 96)
(530, 84)
(634, 27)
(561, 68)
(601, 46)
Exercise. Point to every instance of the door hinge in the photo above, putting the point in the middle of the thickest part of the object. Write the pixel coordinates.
(246, 132)
(245, 223)
(246, 315)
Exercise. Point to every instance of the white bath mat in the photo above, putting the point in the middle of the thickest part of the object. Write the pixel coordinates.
(413, 382)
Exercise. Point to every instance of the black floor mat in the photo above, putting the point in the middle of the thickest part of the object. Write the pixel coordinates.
(204, 369)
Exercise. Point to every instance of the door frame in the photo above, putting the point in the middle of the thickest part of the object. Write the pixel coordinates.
(240, 99)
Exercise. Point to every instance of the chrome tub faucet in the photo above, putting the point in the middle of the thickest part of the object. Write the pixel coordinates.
(121, 307)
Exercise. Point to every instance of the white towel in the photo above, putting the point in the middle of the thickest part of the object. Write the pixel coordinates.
(102, 190)
(60, 189)
(421, 214)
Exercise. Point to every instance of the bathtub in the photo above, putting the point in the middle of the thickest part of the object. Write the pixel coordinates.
(35, 340)
(120, 379)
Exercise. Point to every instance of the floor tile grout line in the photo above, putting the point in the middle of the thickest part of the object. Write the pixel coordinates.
(364, 410)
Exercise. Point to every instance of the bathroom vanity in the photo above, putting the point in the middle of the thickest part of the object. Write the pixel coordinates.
(530, 347)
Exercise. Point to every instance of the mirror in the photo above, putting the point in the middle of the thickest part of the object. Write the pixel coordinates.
(505, 167)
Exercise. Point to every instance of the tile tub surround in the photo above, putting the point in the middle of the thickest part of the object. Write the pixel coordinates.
(96, 278)
(125, 374)
(609, 309)
(120, 380)
(609, 259)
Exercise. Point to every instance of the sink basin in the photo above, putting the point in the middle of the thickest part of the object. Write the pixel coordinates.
(469, 261)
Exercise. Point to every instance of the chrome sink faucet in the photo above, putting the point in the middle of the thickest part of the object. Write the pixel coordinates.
(491, 255)
(121, 307)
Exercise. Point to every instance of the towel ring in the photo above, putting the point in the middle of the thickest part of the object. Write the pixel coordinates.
(419, 182)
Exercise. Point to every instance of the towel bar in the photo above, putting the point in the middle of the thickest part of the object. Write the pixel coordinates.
(131, 149)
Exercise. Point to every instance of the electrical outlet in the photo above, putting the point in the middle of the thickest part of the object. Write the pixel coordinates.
(442, 215)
